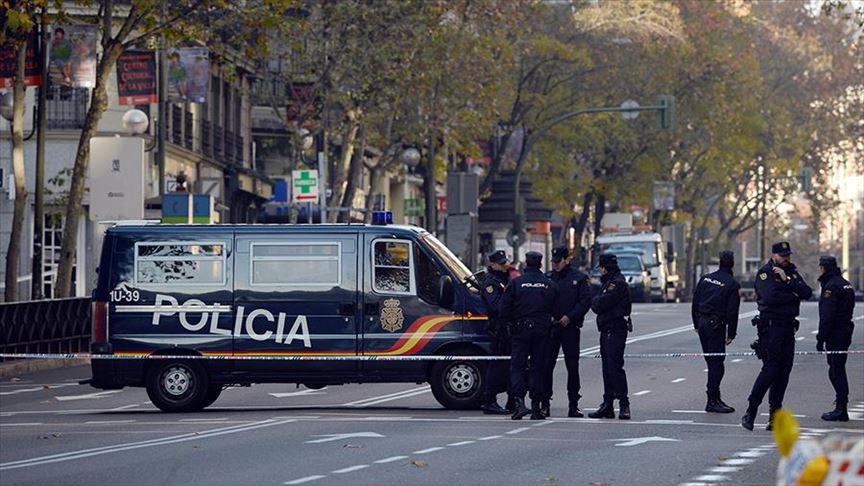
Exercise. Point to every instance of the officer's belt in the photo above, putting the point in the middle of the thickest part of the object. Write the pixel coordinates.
(779, 322)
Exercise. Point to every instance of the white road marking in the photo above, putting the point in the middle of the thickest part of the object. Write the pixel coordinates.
(679, 380)
(390, 459)
(491, 437)
(724, 469)
(705, 370)
(814, 332)
(97, 451)
(711, 478)
(464, 442)
(737, 360)
(350, 469)
(641, 440)
(38, 388)
(794, 415)
(669, 422)
(298, 393)
(640, 393)
(125, 407)
(335, 437)
(799, 338)
(104, 422)
(20, 424)
(386, 398)
(751, 453)
(517, 431)
(214, 419)
(305, 480)
(545, 422)
(737, 462)
(689, 411)
(426, 451)
(88, 396)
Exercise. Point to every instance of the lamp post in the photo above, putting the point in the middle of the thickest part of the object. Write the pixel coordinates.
(410, 157)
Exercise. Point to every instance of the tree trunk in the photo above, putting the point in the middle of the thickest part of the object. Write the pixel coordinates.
(98, 105)
(13, 254)
(599, 211)
(340, 171)
(355, 171)
(581, 222)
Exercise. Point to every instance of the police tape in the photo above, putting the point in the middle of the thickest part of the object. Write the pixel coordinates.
(370, 357)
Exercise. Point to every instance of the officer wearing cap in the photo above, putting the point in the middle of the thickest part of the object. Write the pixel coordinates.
(835, 331)
(779, 292)
(573, 302)
(612, 305)
(497, 372)
(527, 304)
(715, 317)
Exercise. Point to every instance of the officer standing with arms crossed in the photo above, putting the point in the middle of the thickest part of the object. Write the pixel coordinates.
(612, 306)
(779, 292)
(527, 304)
(715, 317)
(492, 289)
(835, 332)
(573, 302)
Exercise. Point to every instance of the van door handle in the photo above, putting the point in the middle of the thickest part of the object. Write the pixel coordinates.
(346, 309)
(371, 308)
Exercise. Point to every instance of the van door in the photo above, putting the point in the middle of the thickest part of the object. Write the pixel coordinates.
(401, 315)
(296, 294)
(172, 291)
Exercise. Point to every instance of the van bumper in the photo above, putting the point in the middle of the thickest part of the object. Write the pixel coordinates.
(114, 374)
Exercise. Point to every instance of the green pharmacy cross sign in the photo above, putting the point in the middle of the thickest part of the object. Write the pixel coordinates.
(304, 186)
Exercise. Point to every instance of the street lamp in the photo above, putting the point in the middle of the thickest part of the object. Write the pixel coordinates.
(410, 157)
(135, 122)
(6, 106)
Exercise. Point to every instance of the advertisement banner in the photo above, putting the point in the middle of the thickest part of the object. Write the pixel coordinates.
(72, 56)
(32, 68)
(664, 196)
(188, 74)
(136, 78)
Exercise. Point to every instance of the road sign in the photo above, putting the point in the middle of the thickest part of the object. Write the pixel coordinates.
(304, 186)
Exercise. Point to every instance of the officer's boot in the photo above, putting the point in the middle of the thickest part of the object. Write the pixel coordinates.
(749, 417)
(715, 405)
(520, 409)
(624, 410)
(545, 408)
(724, 406)
(574, 411)
(771, 413)
(839, 414)
(491, 407)
(604, 411)
(537, 410)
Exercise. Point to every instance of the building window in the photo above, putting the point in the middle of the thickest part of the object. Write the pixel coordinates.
(296, 264)
(52, 239)
(180, 263)
(392, 267)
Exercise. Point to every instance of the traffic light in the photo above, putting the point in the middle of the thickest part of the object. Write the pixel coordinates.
(666, 114)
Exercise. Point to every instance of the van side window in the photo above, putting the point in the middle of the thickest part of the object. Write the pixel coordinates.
(312, 263)
(179, 262)
(428, 275)
(392, 267)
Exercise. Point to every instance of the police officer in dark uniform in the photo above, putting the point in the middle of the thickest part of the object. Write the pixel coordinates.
(527, 304)
(715, 317)
(835, 331)
(497, 372)
(573, 302)
(612, 305)
(779, 292)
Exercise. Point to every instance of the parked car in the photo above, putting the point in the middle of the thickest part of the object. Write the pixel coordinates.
(635, 272)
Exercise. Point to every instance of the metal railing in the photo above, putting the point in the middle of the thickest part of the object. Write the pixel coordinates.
(45, 326)
(66, 108)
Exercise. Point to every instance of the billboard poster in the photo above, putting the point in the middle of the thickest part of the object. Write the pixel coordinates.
(188, 74)
(32, 68)
(663, 198)
(72, 56)
(136, 78)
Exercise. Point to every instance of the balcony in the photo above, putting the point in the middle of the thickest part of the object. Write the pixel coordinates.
(206, 138)
(218, 143)
(188, 131)
(66, 108)
(176, 133)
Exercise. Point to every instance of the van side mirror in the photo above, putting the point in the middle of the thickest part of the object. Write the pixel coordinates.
(445, 291)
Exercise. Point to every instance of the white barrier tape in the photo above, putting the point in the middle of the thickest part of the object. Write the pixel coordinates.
(375, 357)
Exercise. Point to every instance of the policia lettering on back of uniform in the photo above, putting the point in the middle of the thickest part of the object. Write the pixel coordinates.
(836, 304)
(715, 317)
(779, 292)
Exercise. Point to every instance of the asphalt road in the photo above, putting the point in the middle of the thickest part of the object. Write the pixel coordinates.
(53, 431)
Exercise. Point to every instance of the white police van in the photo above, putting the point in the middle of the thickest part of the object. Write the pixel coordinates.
(282, 291)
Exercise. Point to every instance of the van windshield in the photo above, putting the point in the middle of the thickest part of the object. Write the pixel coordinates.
(454, 264)
(648, 250)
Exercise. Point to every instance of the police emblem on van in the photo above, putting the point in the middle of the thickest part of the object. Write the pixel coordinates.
(391, 316)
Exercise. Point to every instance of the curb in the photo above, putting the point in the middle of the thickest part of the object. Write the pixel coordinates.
(21, 367)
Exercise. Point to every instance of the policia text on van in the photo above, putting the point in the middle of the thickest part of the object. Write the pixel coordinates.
(283, 290)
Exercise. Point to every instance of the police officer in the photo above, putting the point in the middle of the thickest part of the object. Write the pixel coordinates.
(492, 289)
(573, 302)
(835, 331)
(715, 317)
(527, 303)
(779, 292)
(612, 305)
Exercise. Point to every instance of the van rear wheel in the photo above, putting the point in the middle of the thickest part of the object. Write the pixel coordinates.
(458, 385)
(178, 386)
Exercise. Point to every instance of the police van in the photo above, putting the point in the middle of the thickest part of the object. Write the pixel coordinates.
(222, 292)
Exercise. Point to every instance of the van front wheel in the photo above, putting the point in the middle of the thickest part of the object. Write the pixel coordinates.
(178, 386)
(457, 385)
